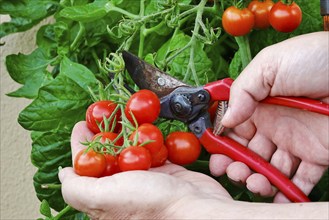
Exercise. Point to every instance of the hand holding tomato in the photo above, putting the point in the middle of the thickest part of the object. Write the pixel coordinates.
(136, 194)
(294, 141)
(166, 192)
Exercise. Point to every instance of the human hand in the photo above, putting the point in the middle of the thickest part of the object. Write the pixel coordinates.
(169, 191)
(294, 141)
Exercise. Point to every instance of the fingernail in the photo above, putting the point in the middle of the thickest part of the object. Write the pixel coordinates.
(227, 115)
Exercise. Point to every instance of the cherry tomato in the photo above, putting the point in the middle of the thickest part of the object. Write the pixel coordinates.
(89, 163)
(144, 105)
(108, 136)
(112, 165)
(134, 158)
(183, 147)
(149, 132)
(160, 158)
(97, 111)
(238, 22)
(261, 11)
(285, 18)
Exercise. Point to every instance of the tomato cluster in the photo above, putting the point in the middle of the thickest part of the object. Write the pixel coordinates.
(261, 15)
(117, 147)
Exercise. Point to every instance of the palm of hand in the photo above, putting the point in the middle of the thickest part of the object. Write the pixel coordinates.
(292, 140)
(140, 194)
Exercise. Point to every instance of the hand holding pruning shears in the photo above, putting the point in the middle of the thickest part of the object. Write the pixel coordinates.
(198, 189)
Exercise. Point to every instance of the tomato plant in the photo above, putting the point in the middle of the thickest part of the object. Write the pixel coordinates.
(112, 165)
(144, 105)
(237, 22)
(261, 11)
(148, 132)
(134, 158)
(285, 17)
(89, 163)
(159, 158)
(183, 147)
(97, 111)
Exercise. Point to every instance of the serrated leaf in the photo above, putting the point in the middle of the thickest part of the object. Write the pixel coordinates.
(45, 209)
(62, 102)
(30, 71)
(24, 14)
(86, 13)
(50, 150)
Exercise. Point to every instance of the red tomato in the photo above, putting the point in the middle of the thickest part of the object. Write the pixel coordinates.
(89, 163)
(134, 158)
(149, 132)
(144, 105)
(183, 147)
(261, 11)
(160, 158)
(112, 165)
(97, 111)
(238, 22)
(108, 136)
(285, 18)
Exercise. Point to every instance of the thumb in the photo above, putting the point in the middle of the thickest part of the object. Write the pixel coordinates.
(66, 173)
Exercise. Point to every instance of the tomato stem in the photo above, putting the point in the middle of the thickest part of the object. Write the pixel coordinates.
(62, 212)
(51, 186)
(244, 50)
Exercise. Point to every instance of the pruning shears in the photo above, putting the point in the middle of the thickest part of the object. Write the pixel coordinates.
(189, 104)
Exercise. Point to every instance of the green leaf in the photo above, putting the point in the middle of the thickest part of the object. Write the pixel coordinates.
(62, 102)
(45, 209)
(50, 150)
(24, 14)
(30, 71)
(179, 65)
(235, 67)
(87, 13)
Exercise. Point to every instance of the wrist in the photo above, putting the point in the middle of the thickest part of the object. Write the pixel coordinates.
(226, 208)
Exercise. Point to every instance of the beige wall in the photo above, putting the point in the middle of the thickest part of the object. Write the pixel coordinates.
(18, 199)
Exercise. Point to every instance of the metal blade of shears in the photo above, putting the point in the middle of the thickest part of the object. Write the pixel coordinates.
(149, 77)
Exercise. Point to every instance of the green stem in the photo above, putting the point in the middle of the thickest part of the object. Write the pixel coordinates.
(141, 31)
(155, 28)
(51, 186)
(62, 212)
(110, 7)
(244, 50)
(198, 21)
(78, 37)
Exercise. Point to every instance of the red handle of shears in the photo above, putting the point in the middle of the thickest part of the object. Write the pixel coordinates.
(220, 91)
(224, 145)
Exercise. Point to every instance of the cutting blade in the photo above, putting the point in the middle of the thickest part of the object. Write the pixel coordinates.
(149, 77)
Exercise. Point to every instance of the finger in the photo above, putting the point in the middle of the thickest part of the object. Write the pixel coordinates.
(263, 146)
(238, 172)
(218, 164)
(253, 85)
(80, 134)
(306, 177)
(75, 189)
(259, 184)
(285, 162)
